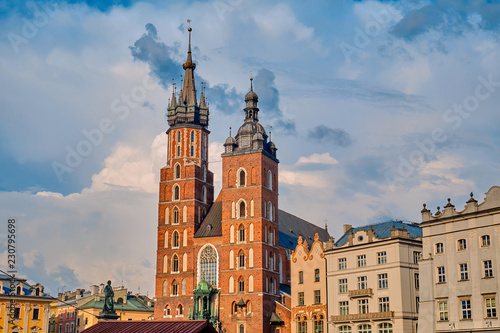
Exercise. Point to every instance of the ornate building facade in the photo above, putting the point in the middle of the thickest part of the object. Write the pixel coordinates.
(460, 267)
(223, 260)
(373, 278)
(308, 268)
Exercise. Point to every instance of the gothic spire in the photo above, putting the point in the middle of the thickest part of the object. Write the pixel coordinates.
(189, 89)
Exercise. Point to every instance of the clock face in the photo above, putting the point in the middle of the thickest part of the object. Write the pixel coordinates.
(245, 141)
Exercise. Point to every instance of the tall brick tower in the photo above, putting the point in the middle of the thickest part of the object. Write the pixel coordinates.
(249, 283)
(186, 194)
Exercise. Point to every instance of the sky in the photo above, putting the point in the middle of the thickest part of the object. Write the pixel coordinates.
(376, 107)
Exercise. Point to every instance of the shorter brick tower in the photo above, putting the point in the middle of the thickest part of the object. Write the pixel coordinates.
(249, 278)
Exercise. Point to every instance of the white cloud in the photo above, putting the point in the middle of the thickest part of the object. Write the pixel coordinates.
(318, 158)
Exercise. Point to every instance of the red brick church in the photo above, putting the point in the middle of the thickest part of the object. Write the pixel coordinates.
(224, 260)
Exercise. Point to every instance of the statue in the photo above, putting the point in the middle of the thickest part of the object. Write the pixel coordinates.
(108, 299)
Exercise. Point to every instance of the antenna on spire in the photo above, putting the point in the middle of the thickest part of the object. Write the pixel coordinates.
(230, 130)
(251, 83)
(270, 128)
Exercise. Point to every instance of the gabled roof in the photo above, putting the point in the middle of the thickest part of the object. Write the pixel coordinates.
(151, 326)
(383, 230)
(290, 227)
(212, 223)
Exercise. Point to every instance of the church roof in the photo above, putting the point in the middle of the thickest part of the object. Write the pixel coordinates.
(290, 227)
(211, 225)
(152, 326)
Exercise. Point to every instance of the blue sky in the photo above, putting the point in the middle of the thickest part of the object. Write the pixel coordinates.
(375, 107)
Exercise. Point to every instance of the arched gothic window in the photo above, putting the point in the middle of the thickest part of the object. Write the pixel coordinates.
(241, 285)
(242, 176)
(175, 266)
(204, 194)
(177, 193)
(175, 215)
(241, 259)
(242, 328)
(179, 137)
(208, 265)
(178, 151)
(177, 171)
(242, 209)
(175, 239)
(241, 233)
(270, 180)
(318, 324)
(192, 136)
(175, 289)
(204, 173)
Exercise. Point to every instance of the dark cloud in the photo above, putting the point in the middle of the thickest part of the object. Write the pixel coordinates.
(269, 98)
(157, 55)
(449, 16)
(225, 98)
(327, 135)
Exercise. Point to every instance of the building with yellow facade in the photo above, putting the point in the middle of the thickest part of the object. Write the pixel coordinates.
(23, 308)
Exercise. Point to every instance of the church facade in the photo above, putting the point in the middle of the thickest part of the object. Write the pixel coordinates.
(223, 259)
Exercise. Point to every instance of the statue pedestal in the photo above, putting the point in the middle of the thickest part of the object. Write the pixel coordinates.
(107, 316)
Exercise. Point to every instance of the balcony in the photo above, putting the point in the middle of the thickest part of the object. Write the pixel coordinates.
(364, 316)
(361, 293)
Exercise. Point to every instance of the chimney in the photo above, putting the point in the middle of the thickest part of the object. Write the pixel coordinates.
(94, 289)
(347, 227)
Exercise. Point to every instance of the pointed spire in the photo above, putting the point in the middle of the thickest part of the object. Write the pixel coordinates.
(189, 90)
(203, 103)
(173, 101)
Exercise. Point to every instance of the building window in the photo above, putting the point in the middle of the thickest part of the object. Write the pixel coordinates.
(385, 328)
(175, 290)
(342, 264)
(417, 303)
(441, 274)
(344, 308)
(242, 328)
(466, 309)
(175, 239)
(177, 171)
(241, 285)
(178, 136)
(208, 265)
(363, 306)
(317, 297)
(490, 307)
(301, 298)
(241, 233)
(488, 268)
(316, 275)
(36, 313)
(67, 328)
(242, 177)
(345, 329)
(364, 328)
(302, 325)
(175, 263)
(165, 289)
(362, 282)
(383, 304)
(485, 241)
(417, 281)
(461, 244)
(383, 282)
(439, 248)
(241, 259)
(343, 286)
(318, 324)
(464, 272)
(362, 260)
(178, 151)
(416, 257)
(176, 192)
(301, 277)
(175, 215)
(192, 136)
(179, 310)
(381, 257)
(242, 208)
